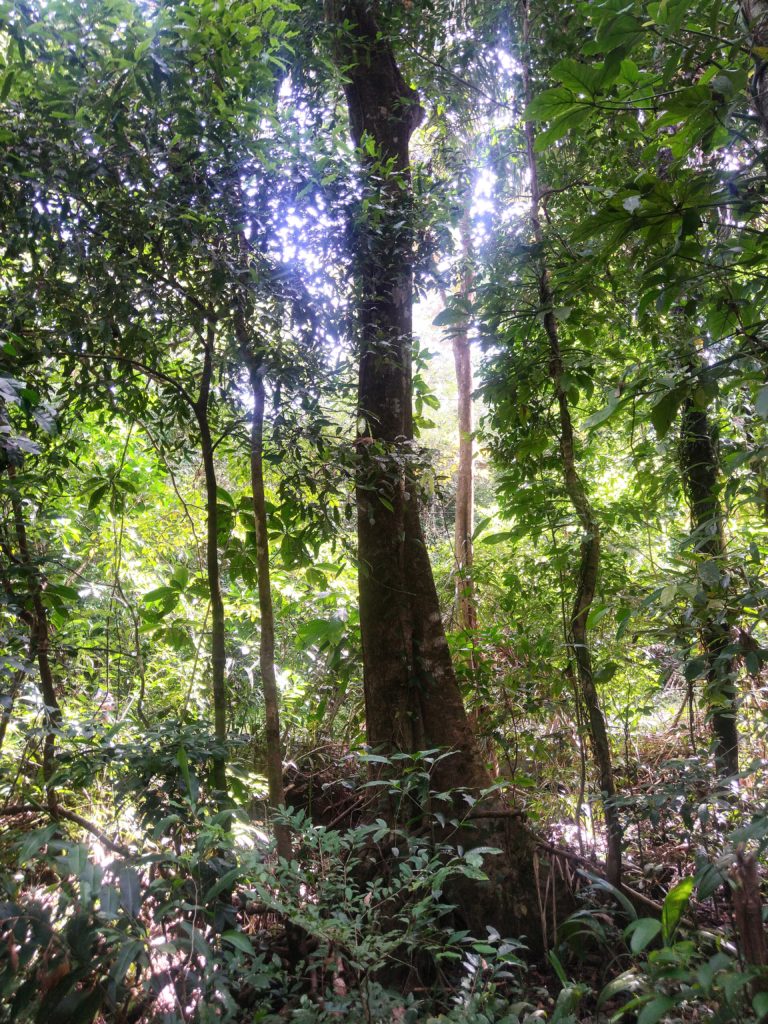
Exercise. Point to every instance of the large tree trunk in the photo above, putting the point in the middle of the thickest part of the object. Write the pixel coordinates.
(755, 14)
(412, 699)
(700, 470)
(590, 544)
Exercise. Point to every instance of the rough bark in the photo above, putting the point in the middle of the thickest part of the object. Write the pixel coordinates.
(266, 611)
(701, 472)
(218, 640)
(755, 14)
(748, 910)
(590, 544)
(405, 654)
(412, 699)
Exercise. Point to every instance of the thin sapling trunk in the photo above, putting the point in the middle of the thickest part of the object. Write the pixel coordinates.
(267, 638)
(218, 639)
(590, 544)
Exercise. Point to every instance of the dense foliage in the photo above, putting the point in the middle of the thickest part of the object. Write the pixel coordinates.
(250, 483)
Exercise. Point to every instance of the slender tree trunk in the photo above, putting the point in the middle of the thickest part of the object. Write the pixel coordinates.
(701, 471)
(590, 543)
(9, 699)
(39, 638)
(465, 477)
(412, 699)
(267, 638)
(218, 640)
(755, 14)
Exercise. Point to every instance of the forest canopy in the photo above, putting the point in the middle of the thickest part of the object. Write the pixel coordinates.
(383, 511)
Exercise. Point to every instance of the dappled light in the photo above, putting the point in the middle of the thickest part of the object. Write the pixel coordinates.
(383, 512)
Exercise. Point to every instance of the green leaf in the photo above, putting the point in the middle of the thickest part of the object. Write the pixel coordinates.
(97, 496)
(499, 538)
(621, 31)
(225, 882)
(655, 1010)
(628, 981)
(557, 965)
(7, 84)
(607, 672)
(709, 572)
(319, 633)
(183, 762)
(695, 668)
(642, 932)
(129, 953)
(550, 104)
(33, 842)
(160, 594)
(675, 903)
(665, 410)
(560, 126)
(607, 412)
(618, 895)
(130, 889)
(449, 317)
(239, 941)
(180, 577)
(61, 590)
(587, 78)
(761, 402)
(79, 1007)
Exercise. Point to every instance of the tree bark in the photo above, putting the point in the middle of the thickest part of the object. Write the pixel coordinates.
(748, 911)
(465, 478)
(412, 698)
(590, 544)
(700, 472)
(218, 639)
(9, 699)
(39, 636)
(405, 654)
(755, 14)
(267, 619)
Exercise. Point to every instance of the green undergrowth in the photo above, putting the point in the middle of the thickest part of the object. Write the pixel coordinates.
(192, 918)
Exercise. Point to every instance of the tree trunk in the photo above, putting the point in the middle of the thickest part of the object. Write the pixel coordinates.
(412, 699)
(218, 642)
(748, 911)
(267, 624)
(755, 14)
(700, 471)
(465, 477)
(590, 543)
(39, 637)
(8, 701)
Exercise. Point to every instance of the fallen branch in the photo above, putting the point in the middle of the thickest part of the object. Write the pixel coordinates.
(632, 894)
(60, 813)
(505, 813)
